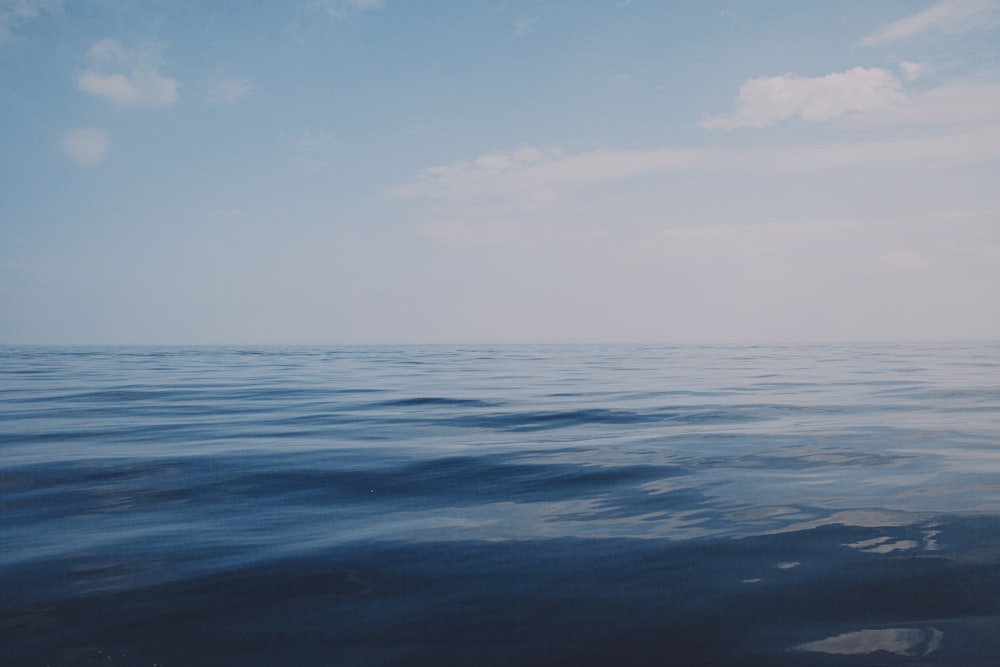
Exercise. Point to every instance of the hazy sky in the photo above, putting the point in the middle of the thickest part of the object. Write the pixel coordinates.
(374, 171)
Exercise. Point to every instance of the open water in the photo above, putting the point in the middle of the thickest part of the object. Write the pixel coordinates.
(511, 505)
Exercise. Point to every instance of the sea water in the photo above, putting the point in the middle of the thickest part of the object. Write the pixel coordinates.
(500, 505)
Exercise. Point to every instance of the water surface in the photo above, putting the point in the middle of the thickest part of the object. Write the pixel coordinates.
(646, 505)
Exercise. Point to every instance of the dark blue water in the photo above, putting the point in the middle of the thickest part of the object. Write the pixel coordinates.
(560, 505)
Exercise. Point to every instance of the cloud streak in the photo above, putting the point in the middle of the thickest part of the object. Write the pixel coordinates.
(767, 100)
(129, 77)
(544, 181)
(947, 15)
(962, 103)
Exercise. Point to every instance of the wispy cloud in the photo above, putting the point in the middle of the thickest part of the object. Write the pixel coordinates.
(15, 13)
(86, 147)
(340, 8)
(230, 91)
(911, 71)
(525, 26)
(311, 149)
(312, 142)
(492, 174)
(961, 103)
(767, 100)
(947, 15)
(129, 77)
(546, 178)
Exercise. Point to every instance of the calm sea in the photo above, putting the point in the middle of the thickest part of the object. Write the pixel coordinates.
(510, 505)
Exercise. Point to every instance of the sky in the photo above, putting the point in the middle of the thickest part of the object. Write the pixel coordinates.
(487, 171)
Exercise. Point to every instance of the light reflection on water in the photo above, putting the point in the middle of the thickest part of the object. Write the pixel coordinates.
(900, 641)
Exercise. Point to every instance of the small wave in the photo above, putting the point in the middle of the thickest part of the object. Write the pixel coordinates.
(554, 419)
(428, 401)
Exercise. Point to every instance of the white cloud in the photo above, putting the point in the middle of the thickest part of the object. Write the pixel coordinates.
(948, 15)
(86, 147)
(129, 77)
(14, 13)
(341, 8)
(230, 91)
(767, 100)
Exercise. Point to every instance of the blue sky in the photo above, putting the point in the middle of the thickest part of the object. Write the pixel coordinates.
(402, 171)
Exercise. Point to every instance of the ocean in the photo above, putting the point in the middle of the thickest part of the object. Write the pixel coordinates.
(500, 505)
